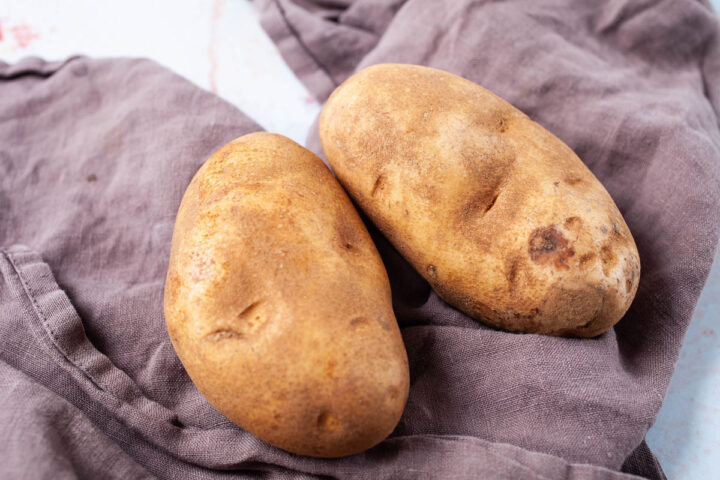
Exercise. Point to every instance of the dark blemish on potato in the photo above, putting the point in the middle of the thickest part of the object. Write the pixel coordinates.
(513, 272)
(616, 237)
(630, 280)
(406, 213)
(573, 222)
(548, 246)
(359, 323)
(91, 178)
(378, 185)
(346, 238)
(586, 324)
(556, 184)
(572, 181)
(393, 392)
(585, 259)
(608, 258)
(328, 422)
(604, 229)
(503, 125)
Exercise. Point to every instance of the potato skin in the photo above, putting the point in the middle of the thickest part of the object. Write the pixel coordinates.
(278, 304)
(497, 214)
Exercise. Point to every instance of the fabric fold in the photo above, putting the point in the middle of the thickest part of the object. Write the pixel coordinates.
(95, 406)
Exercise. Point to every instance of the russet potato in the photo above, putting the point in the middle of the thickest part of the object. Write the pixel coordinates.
(278, 304)
(497, 214)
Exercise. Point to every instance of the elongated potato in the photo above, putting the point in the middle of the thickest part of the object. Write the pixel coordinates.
(278, 304)
(500, 216)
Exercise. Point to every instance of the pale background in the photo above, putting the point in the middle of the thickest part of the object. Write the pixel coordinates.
(220, 46)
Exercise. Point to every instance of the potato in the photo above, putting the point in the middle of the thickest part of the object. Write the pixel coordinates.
(500, 217)
(278, 304)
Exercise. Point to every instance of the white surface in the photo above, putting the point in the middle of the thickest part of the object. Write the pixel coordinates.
(221, 47)
(686, 435)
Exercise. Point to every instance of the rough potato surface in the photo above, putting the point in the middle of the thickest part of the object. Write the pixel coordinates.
(278, 304)
(497, 214)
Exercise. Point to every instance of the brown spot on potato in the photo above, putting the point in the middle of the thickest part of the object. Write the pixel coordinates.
(586, 259)
(393, 392)
(573, 222)
(616, 236)
(548, 246)
(346, 236)
(328, 422)
(503, 125)
(573, 181)
(608, 259)
(631, 275)
(512, 271)
(359, 323)
(378, 185)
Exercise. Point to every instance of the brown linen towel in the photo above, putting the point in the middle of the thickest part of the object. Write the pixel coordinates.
(634, 88)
